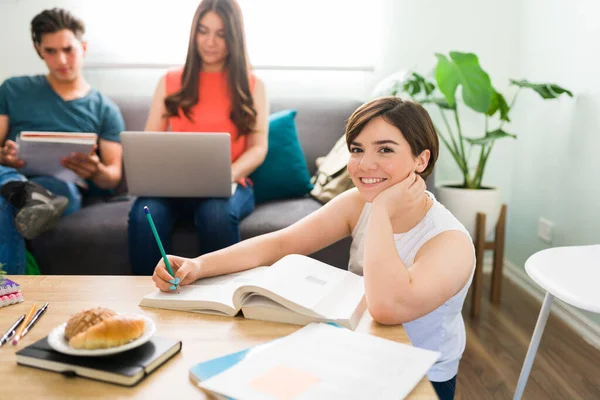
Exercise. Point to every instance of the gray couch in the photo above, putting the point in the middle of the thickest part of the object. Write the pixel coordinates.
(93, 241)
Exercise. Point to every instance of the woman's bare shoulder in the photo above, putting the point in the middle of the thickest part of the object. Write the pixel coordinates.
(350, 204)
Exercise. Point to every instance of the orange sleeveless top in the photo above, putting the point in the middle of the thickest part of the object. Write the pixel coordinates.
(211, 113)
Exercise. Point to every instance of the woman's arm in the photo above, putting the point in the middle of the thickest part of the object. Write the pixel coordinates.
(395, 294)
(157, 120)
(327, 225)
(257, 142)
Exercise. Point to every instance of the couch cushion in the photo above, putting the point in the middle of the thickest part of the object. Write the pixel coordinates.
(90, 241)
(135, 110)
(283, 174)
(275, 215)
(280, 214)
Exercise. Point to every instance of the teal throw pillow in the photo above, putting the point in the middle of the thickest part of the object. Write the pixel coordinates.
(284, 173)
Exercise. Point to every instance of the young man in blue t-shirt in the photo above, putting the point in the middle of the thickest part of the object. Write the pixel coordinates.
(60, 101)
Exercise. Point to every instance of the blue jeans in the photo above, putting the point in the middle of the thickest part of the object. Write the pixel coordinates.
(445, 390)
(12, 244)
(217, 222)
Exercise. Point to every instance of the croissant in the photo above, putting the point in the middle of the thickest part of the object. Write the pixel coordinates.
(85, 319)
(111, 332)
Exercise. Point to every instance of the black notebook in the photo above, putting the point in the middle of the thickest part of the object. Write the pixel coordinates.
(127, 368)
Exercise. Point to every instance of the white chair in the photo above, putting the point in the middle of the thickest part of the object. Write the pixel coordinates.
(571, 274)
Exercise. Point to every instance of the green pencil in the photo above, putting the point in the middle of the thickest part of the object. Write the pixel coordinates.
(160, 246)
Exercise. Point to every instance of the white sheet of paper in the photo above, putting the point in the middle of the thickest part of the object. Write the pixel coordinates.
(326, 362)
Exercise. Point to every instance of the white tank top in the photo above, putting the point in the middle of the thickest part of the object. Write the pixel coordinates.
(443, 329)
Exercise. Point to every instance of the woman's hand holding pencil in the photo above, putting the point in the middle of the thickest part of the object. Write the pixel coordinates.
(161, 248)
(167, 280)
(185, 271)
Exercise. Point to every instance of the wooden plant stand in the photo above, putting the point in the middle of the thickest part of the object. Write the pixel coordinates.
(480, 246)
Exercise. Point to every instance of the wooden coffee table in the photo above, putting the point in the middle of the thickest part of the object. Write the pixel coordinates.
(203, 336)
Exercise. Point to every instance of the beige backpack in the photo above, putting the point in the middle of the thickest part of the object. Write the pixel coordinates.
(332, 177)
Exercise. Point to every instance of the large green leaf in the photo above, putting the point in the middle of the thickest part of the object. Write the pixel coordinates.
(463, 69)
(499, 104)
(490, 137)
(546, 90)
(447, 78)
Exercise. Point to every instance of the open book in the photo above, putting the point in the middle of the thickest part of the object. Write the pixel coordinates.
(42, 152)
(296, 290)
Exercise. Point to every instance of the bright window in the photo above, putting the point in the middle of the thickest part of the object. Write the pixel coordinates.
(341, 34)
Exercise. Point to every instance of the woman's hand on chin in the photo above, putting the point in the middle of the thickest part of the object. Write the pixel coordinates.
(401, 197)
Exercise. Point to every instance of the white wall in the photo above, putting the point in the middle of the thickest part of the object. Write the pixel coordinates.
(557, 155)
(18, 58)
(412, 32)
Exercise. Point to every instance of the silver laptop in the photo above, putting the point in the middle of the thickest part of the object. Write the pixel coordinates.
(177, 164)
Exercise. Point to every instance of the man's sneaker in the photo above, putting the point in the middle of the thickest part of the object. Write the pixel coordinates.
(38, 208)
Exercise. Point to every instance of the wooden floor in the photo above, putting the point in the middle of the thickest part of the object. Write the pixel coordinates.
(566, 366)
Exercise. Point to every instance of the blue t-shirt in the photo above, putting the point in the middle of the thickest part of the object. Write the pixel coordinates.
(32, 105)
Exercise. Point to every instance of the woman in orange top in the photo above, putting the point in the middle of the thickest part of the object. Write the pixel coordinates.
(214, 92)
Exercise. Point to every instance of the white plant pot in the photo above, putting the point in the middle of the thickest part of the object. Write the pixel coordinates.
(464, 204)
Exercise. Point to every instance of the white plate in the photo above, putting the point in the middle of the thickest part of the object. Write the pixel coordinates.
(57, 340)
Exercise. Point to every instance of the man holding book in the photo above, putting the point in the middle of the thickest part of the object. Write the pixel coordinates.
(60, 101)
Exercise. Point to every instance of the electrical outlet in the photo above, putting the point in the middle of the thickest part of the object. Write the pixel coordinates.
(544, 230)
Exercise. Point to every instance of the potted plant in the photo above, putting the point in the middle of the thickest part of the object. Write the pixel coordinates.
(471, 152)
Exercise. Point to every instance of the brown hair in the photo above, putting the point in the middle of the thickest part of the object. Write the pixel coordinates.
(410, 118)
(54, 20)
(243, 113)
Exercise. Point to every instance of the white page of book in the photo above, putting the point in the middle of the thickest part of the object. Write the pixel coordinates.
(343, 299)
(43, 158)
(311, 283)
(218, 289)
(321, 361)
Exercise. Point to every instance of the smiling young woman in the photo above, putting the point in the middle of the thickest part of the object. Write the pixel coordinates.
(417, 259)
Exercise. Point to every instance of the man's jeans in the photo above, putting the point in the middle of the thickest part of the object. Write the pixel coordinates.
(12, 244)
